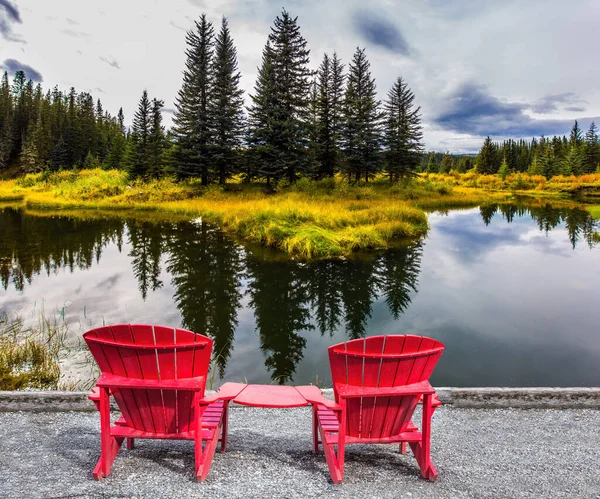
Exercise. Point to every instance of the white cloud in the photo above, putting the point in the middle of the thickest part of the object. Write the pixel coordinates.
(521, 51)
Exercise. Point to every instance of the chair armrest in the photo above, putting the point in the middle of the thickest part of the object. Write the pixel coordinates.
(114, 381)
(227, 391)
(94, 395)
(313, 395)
(350, 391)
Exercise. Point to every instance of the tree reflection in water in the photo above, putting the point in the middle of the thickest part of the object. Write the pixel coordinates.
(211, 274)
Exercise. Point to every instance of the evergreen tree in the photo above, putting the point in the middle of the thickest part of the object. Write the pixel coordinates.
(6, 118)
(591, 159)
(291, 93)
(446, 163)
(260, 121)
(226, 105)
(576, 137)
(488, 157)
(504, 170)
(116, 156)
(432, 166)
(361, 133)
(329, 108)
(403, 132)
(140, 158)
(156, 140)
(192, 120)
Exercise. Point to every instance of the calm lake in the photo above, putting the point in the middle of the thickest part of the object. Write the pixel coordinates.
(512, 291)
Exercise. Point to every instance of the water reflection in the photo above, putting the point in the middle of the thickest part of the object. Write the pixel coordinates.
(211, 279)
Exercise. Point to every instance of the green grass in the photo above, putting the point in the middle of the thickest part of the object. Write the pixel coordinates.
(594, 210)
(307, 220)
(29, 356)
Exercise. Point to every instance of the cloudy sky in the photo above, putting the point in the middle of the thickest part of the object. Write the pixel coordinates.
(477, 67)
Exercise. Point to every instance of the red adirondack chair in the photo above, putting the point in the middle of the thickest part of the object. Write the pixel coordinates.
(157, 377)
(378, 382)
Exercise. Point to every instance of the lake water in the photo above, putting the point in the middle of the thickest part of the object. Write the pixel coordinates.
(513, 292)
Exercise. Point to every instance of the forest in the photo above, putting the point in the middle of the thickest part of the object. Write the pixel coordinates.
(297, 123)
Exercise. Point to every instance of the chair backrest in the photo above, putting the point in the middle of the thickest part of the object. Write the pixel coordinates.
(143, 351)
(382, 361)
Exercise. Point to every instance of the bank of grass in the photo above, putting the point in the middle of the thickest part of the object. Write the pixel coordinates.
(29, 355)
(594, 211)
(523, 183)
(309, 219)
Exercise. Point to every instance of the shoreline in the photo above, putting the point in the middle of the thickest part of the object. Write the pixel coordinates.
(473, 398)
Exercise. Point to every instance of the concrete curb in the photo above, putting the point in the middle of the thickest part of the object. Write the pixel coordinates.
(483, 398)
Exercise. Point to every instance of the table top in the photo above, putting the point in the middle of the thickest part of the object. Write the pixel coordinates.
(269, 396)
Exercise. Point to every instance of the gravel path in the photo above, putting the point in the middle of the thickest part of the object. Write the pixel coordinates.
(478, 453)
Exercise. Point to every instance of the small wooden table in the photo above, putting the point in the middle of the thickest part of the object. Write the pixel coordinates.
(269, 396)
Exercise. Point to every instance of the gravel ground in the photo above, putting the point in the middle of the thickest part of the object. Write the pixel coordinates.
(478, 453)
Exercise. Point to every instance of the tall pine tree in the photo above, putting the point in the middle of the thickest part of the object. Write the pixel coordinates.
(291, 78)
(226, 105)
(139, 153)
(591, 160)
(192, 119)
(362, 119)
(403, 132)
(260, 121)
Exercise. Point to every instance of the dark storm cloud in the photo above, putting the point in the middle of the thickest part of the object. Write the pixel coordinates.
(111, 62)
(380, 31)
(12, 66)
(9, 15)
(553, 103)
(473, 110)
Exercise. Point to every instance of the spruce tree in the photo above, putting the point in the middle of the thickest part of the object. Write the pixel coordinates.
(432, 166)
(192, 120)
(156, 140)
(261, 157)
(487, 160)
(291, 93)
(361, 131)
(139, 161)
(6, 111)
(576, 136)
(403, 132)
(329, 108)
(446, 163)
(226, 105)
(591, 159)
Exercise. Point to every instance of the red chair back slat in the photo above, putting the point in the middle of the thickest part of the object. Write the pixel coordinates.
(123, 350)
(143, 334)
(382, 361)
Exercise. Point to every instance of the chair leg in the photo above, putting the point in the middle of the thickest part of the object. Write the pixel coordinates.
(130, 443)
(402, 448)
(203, 460)
(315, 430)
(225, 426)
(428, 471)
(109, 446)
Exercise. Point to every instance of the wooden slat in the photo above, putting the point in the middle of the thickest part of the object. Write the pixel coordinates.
(337, 364)
(167, 369)
(143, 335)
(389, 367)
(184, 363)
(124, 398)
(354, 365)
(408, 370)
(131, 362)
(371, 372)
